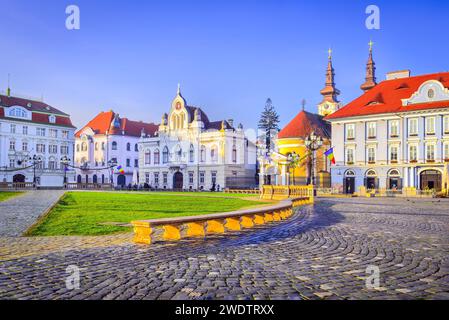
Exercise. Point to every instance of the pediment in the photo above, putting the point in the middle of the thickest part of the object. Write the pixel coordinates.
(429, 91)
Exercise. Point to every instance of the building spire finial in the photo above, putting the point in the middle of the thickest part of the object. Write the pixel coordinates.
(329, 53)
(179, 88)
(370, 77)
(8, 90)
(303, 103)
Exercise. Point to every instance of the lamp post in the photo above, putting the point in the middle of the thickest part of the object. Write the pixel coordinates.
(292, 159)
(111, 164)
(36, 160)
(313, 143)
(65, 161)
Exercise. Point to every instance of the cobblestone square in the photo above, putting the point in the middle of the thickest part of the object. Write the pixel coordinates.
(322, 252)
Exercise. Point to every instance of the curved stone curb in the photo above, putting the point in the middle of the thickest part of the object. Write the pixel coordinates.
(174, 229)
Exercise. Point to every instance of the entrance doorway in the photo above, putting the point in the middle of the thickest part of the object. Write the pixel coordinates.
(431, 180)
(349, 182)
(18, 178)
(178, 180)
(121, 180)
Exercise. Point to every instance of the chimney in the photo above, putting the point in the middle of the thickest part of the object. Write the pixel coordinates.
(398, 74)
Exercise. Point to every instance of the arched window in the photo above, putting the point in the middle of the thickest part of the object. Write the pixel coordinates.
(114, 145)
(371, 173)
(77, 148)
(128, 146)
(147, 157)
(214, 153)
(102, 146)
(394, 172)
(96, 146)
(84, 146)
(203, 154)
(136, 147)
(192, 153)
(95, 179)
(165, 155)
(156, 156)
(234, 154)
(349, 173)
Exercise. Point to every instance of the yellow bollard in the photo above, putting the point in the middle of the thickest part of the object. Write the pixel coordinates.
(246, 221)
(233, 224)
(276, 216)
(259, 219)
(171, 232)
(268, 217)
(214, 226)
(142, 232)
(195, 229)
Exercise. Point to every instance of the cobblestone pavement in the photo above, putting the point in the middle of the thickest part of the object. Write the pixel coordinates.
(322, 252)
(19, 213)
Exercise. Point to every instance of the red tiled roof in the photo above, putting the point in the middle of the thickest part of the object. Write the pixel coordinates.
(304, 124)
(40, 111)
(386, 97)
(103, 122)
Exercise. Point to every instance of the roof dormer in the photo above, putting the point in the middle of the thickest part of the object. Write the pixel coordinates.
(429, 91)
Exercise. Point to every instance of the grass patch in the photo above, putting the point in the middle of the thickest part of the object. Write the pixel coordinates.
(86, 213)
(5, 195)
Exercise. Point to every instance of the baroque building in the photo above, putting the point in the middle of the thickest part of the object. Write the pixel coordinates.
(395, 135)
(109, 140)
(34, 138)
(310, 167)
(191, 152)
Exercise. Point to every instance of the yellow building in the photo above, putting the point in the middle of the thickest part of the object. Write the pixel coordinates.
(293, 160)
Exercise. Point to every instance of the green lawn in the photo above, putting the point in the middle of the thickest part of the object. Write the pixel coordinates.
(4, 195)
(84, 213)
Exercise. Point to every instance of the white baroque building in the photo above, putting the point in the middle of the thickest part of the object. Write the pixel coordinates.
(191, 152)
(33, 129)
(106, 140)
(395, 135)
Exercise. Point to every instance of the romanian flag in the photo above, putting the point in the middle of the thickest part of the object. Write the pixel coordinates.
(330, 155)
(120, 170)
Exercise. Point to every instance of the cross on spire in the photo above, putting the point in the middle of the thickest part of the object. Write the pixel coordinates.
(330, 53)
(179, 88)
(371, 43)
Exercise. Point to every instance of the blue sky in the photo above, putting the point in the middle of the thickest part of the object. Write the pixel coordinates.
(229, 56)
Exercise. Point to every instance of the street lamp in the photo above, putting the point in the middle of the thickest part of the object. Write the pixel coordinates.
(65, 161)
(36, 160)
(313, 143)
(292, 159)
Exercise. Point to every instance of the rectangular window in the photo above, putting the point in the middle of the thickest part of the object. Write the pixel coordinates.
(25, 130)
(350, 131)
(349, 156)
(53, 148)
(40, 148)
(446, 124)
(191, 177)
(371, 130)
(413, 127)
(24, 146)
(65, 134)
(430, 152)
(13, 128)
(430, 125)
(40, 132)
(165, 177)
(156, 178)
(128, 162)
(147, 177)
(214, 177)
(202, 174)
(394, 128)
(53, 133)
(136, 163)
(51, 165)
(64, 149)
(12, 145)
(394, 154)
(12, 163)
(371, 155)
(147, 157)
(446, 152)
(413, 153)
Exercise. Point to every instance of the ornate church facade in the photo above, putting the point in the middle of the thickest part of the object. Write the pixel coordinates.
(191, 152)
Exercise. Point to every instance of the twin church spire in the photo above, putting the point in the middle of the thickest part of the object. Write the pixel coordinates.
(330, 93)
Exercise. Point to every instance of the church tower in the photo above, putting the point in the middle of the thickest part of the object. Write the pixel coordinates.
(330, 102)
(370, 78)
